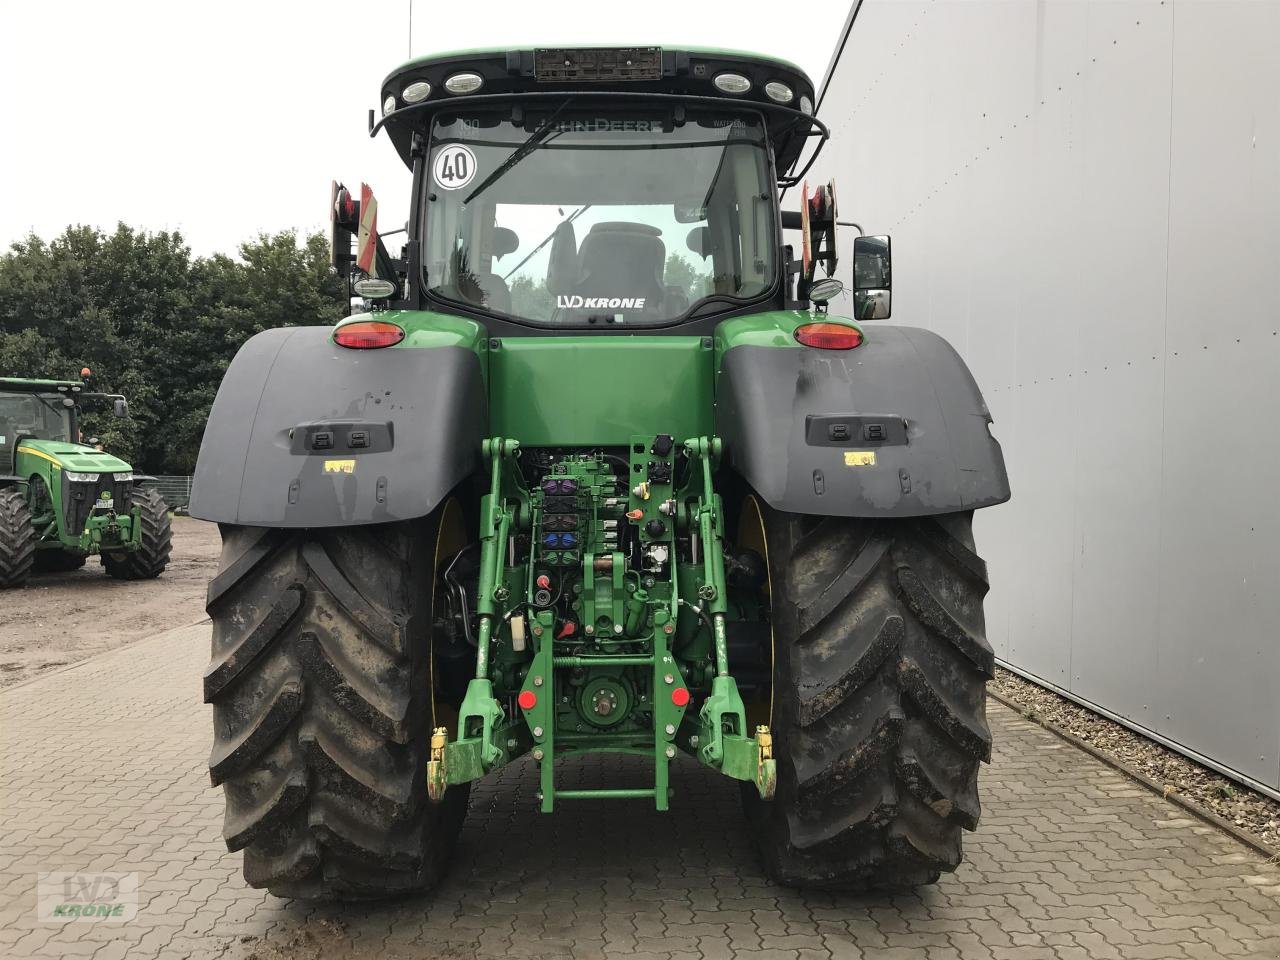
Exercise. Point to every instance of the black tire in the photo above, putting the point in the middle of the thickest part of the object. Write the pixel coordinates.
(321, 684)
(152, 555)
(59, 561)
(17, 538)
(879, 699)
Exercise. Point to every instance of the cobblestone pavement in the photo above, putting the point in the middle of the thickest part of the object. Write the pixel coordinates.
(103, 769)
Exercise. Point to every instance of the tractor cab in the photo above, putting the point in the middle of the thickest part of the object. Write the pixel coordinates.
(35, 410)
(600, 189)
(36, 416)
(44, 410)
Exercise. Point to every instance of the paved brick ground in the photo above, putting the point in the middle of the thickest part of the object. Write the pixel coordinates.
(102, 768)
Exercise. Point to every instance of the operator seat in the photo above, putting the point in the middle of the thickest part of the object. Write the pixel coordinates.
(621, 259)
(497, 295)
(562, 263)
(699, 241)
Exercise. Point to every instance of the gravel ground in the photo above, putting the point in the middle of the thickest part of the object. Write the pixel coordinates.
(1250, 811)
(60, 618)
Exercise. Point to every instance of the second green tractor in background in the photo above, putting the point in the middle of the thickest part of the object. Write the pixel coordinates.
(62, 500)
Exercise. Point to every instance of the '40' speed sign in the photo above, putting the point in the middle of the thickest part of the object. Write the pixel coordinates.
(454, 167)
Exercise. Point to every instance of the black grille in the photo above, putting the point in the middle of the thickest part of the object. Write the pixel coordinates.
(80, 496)
(608, 63)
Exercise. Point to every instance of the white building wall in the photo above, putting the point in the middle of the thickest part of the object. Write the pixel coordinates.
(1084, 198)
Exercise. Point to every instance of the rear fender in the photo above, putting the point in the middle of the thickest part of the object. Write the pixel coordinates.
(893, 428)
(305, 433)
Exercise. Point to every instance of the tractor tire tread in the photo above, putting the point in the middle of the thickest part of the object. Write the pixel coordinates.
(152, 555)
(318, 681)
(880, 685)
(17, 538)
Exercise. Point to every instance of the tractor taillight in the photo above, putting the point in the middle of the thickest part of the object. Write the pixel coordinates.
(680, 696)
(527, 699)
(368, 335)
(829, 336)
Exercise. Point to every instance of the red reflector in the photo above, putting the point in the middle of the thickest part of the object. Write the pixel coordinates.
(680, 696)
(368, 334)
(527, 699)
(829, 336)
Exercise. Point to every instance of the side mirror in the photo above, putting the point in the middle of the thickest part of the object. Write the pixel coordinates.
(121, 407)
(872, 278)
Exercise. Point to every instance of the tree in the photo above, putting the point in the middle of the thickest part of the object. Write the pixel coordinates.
(680, 272)
(531, 298)
(153, 323)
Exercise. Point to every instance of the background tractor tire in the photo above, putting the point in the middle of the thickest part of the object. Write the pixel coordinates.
(322, 691)
(59, 561)
(879, 706)
(17, 538)
(152, 555)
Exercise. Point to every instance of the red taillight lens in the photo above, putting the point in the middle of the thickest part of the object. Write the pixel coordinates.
(527, 699)
(829, 336)
(680, 696)
(368, 335)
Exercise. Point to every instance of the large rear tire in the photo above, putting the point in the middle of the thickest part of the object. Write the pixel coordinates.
(879, 699)
(322, 691)
(152, 555)
(17, 538)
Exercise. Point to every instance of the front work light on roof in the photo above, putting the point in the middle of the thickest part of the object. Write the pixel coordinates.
(732, 82)
(464, 83)
(416, 92)
(778, 91)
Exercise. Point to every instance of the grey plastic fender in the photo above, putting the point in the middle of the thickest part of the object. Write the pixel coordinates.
(304, 433)
(893, 428)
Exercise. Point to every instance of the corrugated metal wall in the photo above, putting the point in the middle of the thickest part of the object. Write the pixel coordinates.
(1084, 198)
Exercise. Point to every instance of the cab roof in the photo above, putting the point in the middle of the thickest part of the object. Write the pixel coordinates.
(26, 385)
(598, 72)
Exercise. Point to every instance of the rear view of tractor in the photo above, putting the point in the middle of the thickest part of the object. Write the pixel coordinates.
(598, 472)
(62, 501)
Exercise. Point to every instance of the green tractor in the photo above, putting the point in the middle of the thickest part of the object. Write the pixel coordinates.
(61, 500)
(598, 472)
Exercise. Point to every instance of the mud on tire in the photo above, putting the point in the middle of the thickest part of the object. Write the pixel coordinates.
(152, 555)
(17, 538)
(321, 688)
(879, 699)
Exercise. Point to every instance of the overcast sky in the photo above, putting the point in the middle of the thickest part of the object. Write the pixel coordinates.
(224, 119)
